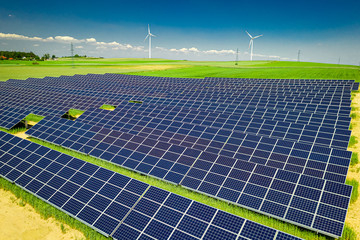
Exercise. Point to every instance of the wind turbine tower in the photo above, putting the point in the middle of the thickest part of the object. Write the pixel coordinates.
(251, 44)
(149, 36)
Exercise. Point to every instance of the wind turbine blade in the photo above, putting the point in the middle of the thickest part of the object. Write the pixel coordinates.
(148, 29)
(146, 37)
(248, 34)
(250, 43)
(152, 35)
(257, 36)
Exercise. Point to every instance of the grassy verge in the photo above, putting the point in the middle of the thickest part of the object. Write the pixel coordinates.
(271, 222)
(46, 210)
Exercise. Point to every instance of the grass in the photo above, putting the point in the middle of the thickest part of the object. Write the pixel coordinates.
(34, 118)
(353, 141)
(107, 107)
(348, 234)
(63, 228)
(75, 112)
(175, 68)
(353, 115)
(72, 114)
(355, 191)
(134, 101)
(275, 72)
(271, 222)
(354, 159)
(13, 130)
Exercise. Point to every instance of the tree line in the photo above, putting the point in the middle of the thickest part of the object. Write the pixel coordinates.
(8, 55)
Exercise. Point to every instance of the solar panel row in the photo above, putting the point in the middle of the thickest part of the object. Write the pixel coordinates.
(108, 93)
(281, 194)
(335, 98)
(116, 205)
(315, 161)
(175, 121)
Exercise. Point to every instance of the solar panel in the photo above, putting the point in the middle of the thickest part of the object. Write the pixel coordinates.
(11, 116)
(116, 205)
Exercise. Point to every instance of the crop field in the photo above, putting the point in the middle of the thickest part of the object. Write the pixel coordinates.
(189, 69)
(172, 68)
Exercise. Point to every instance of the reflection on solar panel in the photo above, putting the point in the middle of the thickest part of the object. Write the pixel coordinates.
(276, 146)
(116, 205)
(9, 116)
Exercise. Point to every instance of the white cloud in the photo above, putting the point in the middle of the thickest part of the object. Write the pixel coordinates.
(19, 37)
(79, 47)
(196, 50)
(193, 49)
(224, 51)
(36, 45)
(101, 47)
(67, 39)
(90, 40)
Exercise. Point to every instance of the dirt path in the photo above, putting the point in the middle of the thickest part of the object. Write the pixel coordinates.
(352, 218)
(18, 222)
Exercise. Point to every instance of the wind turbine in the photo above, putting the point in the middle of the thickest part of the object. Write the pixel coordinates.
(149, 36)
(251, 44)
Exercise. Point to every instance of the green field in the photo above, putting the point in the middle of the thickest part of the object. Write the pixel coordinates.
(193, 69)
(172, 68)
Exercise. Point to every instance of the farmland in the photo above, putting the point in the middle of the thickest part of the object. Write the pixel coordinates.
(167, 68)
(172, 68)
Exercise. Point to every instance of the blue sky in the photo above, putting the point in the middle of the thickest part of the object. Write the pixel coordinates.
(324, 31)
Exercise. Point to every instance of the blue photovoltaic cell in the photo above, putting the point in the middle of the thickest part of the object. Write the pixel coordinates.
(153, 212)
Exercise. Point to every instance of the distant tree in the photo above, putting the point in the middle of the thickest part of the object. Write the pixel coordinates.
(76, 55)
(53, 57)
(46, 56)
(17, 55)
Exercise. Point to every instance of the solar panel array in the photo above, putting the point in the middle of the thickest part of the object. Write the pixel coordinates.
(276, 146)
(282, 194)
(114, 204)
